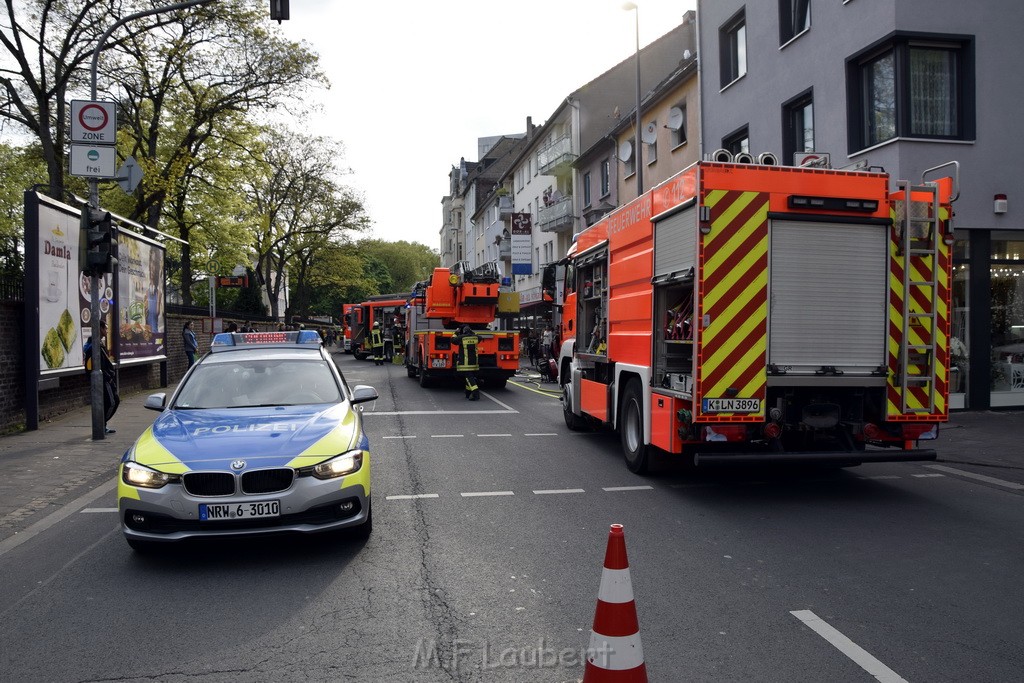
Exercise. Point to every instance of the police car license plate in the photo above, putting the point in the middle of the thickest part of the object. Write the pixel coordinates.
(731, 405)
(437, 363)
(209, 512)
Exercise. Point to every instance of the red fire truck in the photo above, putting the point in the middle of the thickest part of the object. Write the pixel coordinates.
(450, 299)
(388, 309)
(744, 313)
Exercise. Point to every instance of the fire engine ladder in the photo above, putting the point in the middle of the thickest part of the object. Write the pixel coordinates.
(918, 224)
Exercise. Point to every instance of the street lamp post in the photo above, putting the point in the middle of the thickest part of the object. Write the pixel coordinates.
(636, 154)
(96, 376)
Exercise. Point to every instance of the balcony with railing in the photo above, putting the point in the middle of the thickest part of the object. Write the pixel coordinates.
(556, 159)
(505, 208)
(557, 217)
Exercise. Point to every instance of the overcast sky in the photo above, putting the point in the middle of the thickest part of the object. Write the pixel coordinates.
(415, 83)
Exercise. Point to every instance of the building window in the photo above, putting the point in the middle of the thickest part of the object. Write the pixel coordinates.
(737, 142)
(586, 189)
(797, 126)
(732, 46)
(677, 124)
(794, 19)
(912, 88)
(606, 177)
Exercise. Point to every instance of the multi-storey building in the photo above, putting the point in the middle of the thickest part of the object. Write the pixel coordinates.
(903, 85)
(542, 182)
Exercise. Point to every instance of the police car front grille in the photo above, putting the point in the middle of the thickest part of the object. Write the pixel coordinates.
(267, 481)
(209, 483)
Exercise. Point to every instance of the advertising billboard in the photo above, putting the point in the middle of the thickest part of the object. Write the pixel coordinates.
(64, 293)
(522, 244)
(141, 325)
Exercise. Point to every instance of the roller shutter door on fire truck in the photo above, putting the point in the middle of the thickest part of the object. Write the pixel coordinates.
(828, 297)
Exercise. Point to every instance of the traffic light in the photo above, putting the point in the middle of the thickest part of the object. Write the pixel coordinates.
(98, 239)
(279, 10)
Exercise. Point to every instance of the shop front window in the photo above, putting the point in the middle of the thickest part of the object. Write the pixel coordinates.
(1007, 273)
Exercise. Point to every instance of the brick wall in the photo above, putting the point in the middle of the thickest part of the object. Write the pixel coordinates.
(12, 379)
(74, 390)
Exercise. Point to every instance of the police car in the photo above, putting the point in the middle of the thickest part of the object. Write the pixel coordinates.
(261, 436)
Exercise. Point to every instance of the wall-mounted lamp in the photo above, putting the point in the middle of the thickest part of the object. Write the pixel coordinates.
(999, 204)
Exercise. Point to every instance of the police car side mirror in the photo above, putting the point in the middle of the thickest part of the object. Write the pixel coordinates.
(362, 393)
(156, 401)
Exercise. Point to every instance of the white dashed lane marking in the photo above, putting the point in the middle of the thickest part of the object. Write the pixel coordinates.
(481, 494)
(446, 436)
(628, 488)
(99, 510)
(485, 435)
(413, 436)
(543, 492)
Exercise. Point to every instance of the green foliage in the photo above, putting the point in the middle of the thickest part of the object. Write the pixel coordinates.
(20, 169)
(406, 262)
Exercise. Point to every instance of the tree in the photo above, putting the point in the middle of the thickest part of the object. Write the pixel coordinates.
(299, 208)
(406, 262)
(48, 46)
(188, 88)
(20, 169)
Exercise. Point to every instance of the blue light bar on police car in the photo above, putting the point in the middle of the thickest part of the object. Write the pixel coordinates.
(233, 340)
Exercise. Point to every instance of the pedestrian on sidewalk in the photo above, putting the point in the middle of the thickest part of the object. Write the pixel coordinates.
(111, 398)
(188, 337)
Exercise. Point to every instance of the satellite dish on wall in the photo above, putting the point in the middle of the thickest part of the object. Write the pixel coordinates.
(675, 118)
(626, 151)
(650, 133)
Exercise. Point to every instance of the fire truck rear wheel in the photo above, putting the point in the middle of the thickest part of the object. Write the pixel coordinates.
(425, 380)
(576, 423)
(410, 370)
(497, 382)
(631, 429)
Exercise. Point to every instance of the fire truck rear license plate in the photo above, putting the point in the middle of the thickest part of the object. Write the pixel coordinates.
(731, 405)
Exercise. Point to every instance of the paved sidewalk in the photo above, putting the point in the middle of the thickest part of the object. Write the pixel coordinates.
(41, 471)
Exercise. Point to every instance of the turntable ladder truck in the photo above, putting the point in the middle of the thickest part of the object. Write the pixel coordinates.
(440, 306)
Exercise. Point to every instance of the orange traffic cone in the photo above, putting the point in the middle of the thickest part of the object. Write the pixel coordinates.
(615, 654)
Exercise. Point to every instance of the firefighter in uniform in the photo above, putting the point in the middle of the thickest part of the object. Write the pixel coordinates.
(466, 365)
(377, 344)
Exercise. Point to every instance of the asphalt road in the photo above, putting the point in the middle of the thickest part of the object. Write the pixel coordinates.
(491, 521)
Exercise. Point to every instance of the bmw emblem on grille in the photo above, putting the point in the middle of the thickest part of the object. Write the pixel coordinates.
(237, 464)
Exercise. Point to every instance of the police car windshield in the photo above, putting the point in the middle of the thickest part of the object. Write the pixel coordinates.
(251, 383)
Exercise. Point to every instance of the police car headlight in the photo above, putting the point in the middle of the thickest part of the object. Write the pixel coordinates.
(135, 474)
(339, 466)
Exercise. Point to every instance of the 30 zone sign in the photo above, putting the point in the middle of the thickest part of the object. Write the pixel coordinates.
(93, 122)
